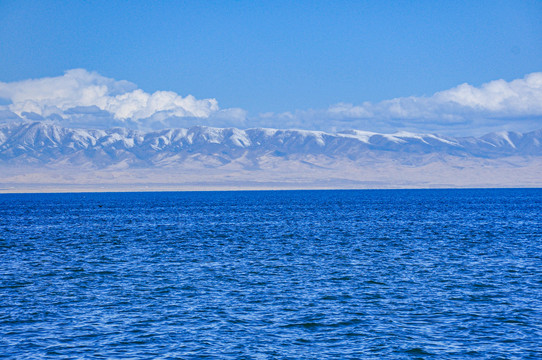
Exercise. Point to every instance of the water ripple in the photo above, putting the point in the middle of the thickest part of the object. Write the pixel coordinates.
(272, 275)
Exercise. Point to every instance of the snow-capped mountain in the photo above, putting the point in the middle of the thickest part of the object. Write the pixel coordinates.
(40, 142)
(255, 155)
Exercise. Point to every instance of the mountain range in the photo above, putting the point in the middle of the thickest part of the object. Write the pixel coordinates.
(37, 155)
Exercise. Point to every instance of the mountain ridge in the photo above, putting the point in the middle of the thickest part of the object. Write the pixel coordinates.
(42, 156)
(40, 142)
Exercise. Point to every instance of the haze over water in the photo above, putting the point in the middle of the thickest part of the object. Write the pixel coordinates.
(393, 274)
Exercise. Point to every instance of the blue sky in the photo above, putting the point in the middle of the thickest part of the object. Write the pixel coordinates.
(274, 56)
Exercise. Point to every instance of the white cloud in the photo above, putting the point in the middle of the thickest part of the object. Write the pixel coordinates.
(521, 97)
(87, 99)
(494, 104)
(78, 94)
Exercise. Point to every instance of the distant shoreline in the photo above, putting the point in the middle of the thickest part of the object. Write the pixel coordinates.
(67, 190)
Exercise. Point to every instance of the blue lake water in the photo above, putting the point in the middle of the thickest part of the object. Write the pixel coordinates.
(391, 274)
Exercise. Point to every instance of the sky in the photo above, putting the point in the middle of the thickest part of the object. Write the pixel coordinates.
(435, 66)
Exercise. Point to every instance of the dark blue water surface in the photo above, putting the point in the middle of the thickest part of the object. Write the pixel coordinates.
(395, 274)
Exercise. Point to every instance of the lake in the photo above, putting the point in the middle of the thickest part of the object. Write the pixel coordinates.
(368, 274)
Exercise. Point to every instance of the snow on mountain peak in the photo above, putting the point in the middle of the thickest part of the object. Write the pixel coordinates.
(51, 143)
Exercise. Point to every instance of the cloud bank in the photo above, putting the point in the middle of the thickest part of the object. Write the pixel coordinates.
(86, 99)
(465, 109)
